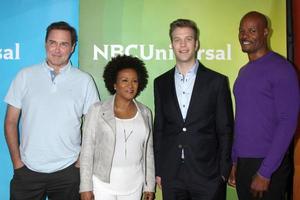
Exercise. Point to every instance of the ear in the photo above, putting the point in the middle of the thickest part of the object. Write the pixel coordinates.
(171, 45)
(197, 45)
(73, 47)
(266, 32)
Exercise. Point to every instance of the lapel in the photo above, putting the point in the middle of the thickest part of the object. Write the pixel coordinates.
(173, 93)
(145, 116)
(108, 113)
(109, 116)
(199, 85)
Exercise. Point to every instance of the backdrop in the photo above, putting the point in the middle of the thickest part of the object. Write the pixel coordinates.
(138, 27)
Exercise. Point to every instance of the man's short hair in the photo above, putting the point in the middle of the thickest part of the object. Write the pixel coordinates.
(62, 26)
(181, 23)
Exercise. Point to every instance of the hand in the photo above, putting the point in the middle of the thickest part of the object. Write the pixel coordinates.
(232, 176)
(259, 185)
(87, 195)
(77, 164)
(19, 164)
(149, 196)
(158, 181)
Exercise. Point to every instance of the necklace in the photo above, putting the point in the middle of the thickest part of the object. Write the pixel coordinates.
(126, 137)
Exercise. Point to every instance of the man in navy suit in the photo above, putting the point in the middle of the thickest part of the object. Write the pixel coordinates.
(193, 125)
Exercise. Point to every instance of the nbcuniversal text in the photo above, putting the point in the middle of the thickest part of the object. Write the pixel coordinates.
(150, 52)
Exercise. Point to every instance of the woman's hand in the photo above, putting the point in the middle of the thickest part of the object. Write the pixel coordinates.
(87, 195)
(149, 195)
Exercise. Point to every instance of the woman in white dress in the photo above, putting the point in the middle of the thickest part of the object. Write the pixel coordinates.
(116, 161)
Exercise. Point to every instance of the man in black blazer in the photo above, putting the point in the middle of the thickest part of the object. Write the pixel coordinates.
(193, 125)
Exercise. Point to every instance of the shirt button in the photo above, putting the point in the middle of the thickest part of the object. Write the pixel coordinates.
(184, 129)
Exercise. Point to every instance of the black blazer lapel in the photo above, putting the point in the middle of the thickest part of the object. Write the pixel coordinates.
(198, 89)
(173, 93)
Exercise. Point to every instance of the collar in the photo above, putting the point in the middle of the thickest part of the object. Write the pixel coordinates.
(109, 116)
(192, 71)
(62, 70)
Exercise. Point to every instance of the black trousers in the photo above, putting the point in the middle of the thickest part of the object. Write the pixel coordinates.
(182, 188)
(247, 168)
(29, 185)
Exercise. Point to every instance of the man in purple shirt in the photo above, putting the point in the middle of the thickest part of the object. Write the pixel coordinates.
(267, 105)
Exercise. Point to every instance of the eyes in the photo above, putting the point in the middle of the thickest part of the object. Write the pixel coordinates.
(186, 39)
(125, 80)
(54, 44)
(249, 30)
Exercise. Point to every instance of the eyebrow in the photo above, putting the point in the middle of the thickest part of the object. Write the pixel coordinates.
(62, 42)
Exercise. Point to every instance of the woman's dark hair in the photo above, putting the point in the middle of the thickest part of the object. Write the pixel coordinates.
(121, 62)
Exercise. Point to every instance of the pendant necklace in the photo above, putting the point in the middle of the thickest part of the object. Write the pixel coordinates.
(126, 137)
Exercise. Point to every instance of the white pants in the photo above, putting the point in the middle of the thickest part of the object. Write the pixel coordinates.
(104, 195)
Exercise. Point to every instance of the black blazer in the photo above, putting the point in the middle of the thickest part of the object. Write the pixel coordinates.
(206, 134)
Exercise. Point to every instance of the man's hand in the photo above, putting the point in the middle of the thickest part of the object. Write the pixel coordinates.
(149, 195)
(77, 164)
(87, 195)
(259, 185)
(18, 164)
(232, 177)
(158, 181)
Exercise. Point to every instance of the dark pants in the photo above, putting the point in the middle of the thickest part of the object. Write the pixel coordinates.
(182, 188)
(29, 185)
(247, 168)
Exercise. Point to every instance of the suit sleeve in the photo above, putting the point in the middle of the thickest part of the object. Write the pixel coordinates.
(158, 128)
(224, 127)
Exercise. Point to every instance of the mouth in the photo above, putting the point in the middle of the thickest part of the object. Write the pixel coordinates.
(56, 56)
(130, 91)
(245, 42)
(183, 51)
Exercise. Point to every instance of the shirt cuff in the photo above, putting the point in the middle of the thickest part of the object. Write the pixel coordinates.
(264, 172)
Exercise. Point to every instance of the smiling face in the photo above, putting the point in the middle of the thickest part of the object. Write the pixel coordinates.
(253, 33)
(58, 48)
(126, 85)
(184, 45)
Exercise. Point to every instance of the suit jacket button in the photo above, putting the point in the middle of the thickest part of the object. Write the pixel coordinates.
(180, 146)
(184, 129)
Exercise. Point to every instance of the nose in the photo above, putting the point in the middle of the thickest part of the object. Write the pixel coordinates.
(57, 48)
(243, 35)
(182, 43)
(131, 84)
